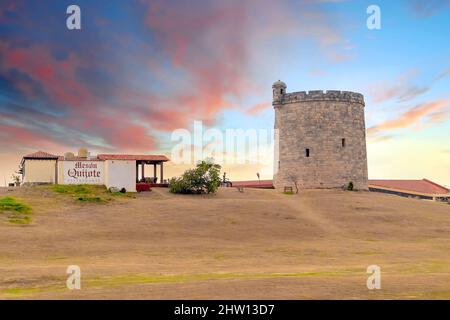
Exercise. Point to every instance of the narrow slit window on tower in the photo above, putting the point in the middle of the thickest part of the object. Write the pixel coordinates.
(307, 153)
(343, 142)
(282, 91)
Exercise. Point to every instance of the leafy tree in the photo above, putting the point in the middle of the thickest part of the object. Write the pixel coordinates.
(16, 178)
(295, 179)
(204, 178)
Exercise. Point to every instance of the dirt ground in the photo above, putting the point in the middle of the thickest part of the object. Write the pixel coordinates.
(259, 244)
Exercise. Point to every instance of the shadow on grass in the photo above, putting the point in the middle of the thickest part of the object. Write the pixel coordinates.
(90, 193)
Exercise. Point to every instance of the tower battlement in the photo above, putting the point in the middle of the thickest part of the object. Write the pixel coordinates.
(318, 95)
(320, 138)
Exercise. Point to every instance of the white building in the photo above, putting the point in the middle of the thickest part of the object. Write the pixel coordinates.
(112, 170)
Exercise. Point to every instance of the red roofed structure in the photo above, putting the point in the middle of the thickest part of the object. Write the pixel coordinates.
(154, 158)
(119, 171)
(40, 155)
(421, 189)
(421, 186)
(264, 184)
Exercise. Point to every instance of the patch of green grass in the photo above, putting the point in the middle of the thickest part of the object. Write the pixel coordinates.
(18, 212)
(89, 193)
(120, 194)
(136, 279)
(19, 219)
(27, 291)
(12, 204)
(21, 291)
(289, 193)
(78, 189)
(181, 278)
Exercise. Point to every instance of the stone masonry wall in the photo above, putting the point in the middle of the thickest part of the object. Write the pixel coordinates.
(318, 121)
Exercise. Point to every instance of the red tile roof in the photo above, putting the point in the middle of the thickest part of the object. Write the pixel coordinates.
(420, 186)
(75, 158)
(100, 157)
(132, 157)
(40, 155)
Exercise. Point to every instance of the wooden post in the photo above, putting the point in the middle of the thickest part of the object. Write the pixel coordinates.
(137, 171)
(143, 171)
(56, 172)
(154, 172)
(162, 173)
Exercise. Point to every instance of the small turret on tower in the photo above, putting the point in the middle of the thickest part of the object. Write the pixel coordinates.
(279, 90)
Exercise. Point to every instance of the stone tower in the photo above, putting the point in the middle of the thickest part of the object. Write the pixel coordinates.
(320, 138)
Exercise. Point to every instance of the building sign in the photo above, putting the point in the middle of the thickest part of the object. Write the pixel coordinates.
(83, 172)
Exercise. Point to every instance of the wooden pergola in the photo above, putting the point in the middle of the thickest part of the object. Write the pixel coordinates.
(155, 163)
(141, 162)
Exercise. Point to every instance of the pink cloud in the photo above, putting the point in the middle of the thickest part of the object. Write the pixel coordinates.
(57, 77)
(430, 112)
(85, 114)
(211, 51)
(402, 89)
(7, 7)
(258, 108)
(214, 45)
(25, 138)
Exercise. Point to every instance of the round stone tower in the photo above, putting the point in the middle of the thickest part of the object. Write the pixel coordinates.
(320, 139)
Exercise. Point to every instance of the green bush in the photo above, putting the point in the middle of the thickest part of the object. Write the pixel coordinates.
(204, 178)
(350, 186)
(178, 185)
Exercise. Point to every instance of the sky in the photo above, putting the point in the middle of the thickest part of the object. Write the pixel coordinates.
(138, 70)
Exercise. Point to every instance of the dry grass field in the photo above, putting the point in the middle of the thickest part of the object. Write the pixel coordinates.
(258, 244)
